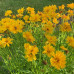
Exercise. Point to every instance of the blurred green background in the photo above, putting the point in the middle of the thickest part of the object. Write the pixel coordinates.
(37, 4)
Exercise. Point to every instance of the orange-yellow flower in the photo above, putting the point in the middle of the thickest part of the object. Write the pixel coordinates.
(61, 7)
(20, 11)
(6, 41)
(63, 48)
(49, 50)
(8, 13)
(65, 27)
(70, 41)
(58, 60)
(30, 51)
(28, 36)
(51, 39)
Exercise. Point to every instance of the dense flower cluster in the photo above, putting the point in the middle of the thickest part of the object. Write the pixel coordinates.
(49, 23)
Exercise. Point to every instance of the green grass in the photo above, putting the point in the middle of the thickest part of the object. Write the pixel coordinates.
(37, 4)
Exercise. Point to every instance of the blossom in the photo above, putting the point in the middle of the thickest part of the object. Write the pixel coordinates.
(51, 39)
(30, 51)
(8, 13)
(70, 41)
(15, 28)
(55, 21)
(28, 36)
(49, 50)
(65, 27)
(58, 60)
(63, 48)
(48, 28)
(34, 18)
(30, 57)
(71, 5)
(61, 7)
(6, 41)
(20, 11)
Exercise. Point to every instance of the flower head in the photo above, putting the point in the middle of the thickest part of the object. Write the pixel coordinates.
(58, 60)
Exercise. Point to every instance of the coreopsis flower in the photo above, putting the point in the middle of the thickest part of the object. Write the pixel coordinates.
(13, 16)
(28, 36)
(6, 20)
(34, 18)
(30, 10)
(58, 15)
(2, 29)
(26, 18)
(65, 27)
(49, 50)
(70, 41)
(46, 9)
(20, 22)
(51, 39)
(6, 26)
(58, 60)
(63, 48)
(26, 46)
(30, 57)
(55, 21)
(48, 28)
(44, 18)
(30, 51)
(8, 13)
(53, 8)
(49, 9)
(19, 15)
(70, 12)
(65, 17)
(6, 41)
(70, 5)
(62, 7)
(20, 11)
(1, 44)
(15, 28)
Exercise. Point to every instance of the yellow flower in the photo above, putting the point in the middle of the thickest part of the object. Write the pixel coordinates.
(19, 15)
(63, 48)
(28, 36)
(30, 57)
(48, 28)
(61, 7)
(49, 50)
(65, 17)
(58, 60)
(6, 41)
(26, 17)
(51, 39)
(70, 12)
(70, 41)
(2, 29)
(65, 27)
(30, 10)
(35, 18)
(15, 28)
(20, 11)
(30, 51)
(8, 13)
(13, 16)
(71, 5)
(55, 21)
